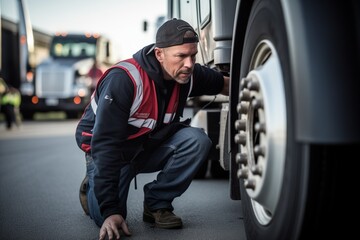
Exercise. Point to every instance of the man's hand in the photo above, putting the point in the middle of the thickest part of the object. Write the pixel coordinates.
(111, 227)
(225, 90)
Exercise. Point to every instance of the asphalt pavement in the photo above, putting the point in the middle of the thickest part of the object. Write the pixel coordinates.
(41, 168)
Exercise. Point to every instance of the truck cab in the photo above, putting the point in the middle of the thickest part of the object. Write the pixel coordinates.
(61, 82)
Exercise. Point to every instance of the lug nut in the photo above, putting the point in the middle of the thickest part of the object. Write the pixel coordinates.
(257, 103)
(253, 85)
(243, 173)
(244, 82)
(240, 138)
(260, 127)
(240, 124)
(259, 151)
(249, 183)
(256, 170)
(242, 107)
(241, 158)
(245, 95)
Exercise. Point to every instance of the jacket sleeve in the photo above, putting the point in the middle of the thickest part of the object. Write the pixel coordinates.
(115, 94)
(206, 81)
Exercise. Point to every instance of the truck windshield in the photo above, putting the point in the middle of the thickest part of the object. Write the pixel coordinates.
(73, 47)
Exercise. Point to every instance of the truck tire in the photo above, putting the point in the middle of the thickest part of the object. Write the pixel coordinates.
(287, 187)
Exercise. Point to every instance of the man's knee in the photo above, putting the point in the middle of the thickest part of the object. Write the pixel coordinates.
(199, 138)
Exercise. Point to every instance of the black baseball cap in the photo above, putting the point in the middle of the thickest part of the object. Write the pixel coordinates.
(172, 33)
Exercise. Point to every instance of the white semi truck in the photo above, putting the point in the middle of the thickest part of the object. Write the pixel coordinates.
(61, 82)
(289, 132)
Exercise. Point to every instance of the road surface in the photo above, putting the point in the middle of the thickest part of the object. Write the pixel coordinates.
(41, 168)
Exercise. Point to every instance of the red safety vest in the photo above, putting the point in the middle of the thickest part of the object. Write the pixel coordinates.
(144, 110)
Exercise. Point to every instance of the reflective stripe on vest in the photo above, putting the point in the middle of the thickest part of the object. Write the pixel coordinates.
(135, 76)
(134, 73)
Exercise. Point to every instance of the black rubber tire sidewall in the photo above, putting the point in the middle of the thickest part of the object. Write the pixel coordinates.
(267, 22)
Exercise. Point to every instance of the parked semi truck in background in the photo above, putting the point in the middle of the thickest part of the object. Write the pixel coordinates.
(61, 82)
(289, 131)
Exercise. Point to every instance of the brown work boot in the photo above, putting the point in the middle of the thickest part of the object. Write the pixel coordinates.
(82, 194)
(163, 218)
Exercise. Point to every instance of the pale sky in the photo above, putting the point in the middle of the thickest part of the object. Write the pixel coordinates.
(120, 20)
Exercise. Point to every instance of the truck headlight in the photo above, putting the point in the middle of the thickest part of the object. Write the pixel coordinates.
(82, 92)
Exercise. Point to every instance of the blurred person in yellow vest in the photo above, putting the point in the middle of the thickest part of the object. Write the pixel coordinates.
(10, 104)
(3, 87)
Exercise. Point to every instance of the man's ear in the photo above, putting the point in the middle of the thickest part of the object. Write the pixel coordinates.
(159, 54)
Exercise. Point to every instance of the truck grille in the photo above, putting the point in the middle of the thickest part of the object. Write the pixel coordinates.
(54, 82)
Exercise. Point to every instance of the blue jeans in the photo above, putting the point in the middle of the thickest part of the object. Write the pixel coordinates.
(177, 160)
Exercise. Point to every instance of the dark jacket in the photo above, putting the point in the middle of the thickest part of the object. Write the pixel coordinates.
(107, 133)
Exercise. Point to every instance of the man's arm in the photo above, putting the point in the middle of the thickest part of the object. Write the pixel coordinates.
(207, 81)
(115, 94)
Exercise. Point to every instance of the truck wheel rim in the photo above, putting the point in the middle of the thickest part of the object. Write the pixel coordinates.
(262, 131)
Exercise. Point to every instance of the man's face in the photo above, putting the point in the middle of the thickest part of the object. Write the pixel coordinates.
(177, 61)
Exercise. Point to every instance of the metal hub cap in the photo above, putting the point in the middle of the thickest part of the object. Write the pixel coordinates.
(262, 131)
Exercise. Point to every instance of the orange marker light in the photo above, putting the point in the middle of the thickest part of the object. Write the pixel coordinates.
(35, 100)
(77, 100)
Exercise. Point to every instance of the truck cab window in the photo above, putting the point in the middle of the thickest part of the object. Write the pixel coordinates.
(204, 11)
